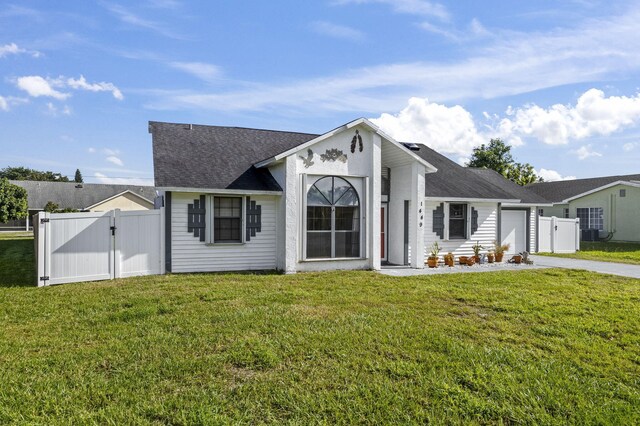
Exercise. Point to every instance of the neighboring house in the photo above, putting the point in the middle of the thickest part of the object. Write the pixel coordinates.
(82, 197)
(352, 198)
(608, 205)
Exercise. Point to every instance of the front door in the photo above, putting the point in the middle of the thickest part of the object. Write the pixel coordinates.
(383, 232)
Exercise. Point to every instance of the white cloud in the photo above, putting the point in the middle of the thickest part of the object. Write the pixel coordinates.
(81, 84)
(91, 150)
(552, 175)
(477, 28)
(10, 49)
(412, 7)
(337, 31)
(37, 86)
(203, 71)
(54, 110)
(102, 178)
(4, 104)
(128, 17)
(510, 63)
(594, 114)
(449, 130)
(13, 49)
(629, 146)
(109, 151)
(115, 160)
(585, 152)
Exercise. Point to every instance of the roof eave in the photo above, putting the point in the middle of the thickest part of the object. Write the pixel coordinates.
(600, 188)
(473, 199)
(218, 190)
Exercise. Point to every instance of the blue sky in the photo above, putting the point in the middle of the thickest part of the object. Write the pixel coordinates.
(79, 80)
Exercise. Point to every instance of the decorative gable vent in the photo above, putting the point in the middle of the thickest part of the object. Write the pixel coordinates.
(357, 139)
(438, 221)
(196, 217)
(254, 219)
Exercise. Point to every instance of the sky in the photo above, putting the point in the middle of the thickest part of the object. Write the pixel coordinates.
(557, 80)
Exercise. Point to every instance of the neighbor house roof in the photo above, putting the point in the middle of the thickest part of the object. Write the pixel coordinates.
(452, 181)
(77, 196)
(560, 191)
(523, 194)
(216, 157)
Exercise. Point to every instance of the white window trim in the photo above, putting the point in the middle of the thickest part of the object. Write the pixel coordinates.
(467, 221)
(210, 218)
(363, 229)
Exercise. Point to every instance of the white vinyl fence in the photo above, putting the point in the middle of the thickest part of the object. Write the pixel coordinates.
(74, 247)
(558, 235)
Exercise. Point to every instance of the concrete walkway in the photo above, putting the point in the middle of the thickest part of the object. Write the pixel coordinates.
(622, 269)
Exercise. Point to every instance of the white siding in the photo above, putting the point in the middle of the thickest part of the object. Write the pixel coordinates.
(189, 254)
(486, 233)
(533, 234)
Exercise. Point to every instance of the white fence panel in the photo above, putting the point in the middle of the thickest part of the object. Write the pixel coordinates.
(138, 243)
(558, 235)
(544, 234)
(76, 247)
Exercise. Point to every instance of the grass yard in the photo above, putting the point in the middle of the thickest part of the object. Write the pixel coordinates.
(605, 252)
(16, 259)
(533, 347)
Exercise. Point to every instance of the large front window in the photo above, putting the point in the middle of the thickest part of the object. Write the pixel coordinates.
(590, 218)
(333, 219)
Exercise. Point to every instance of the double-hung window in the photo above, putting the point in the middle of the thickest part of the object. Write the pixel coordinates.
(457, 221)
(590, 217)
(227, 219)
(333, 219)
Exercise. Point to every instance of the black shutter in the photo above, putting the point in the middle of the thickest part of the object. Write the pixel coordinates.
(474, 220)
(196, 213)
(438, 221)
(254, 219)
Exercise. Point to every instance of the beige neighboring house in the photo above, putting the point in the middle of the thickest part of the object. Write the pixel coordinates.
(86, 197)
(606, 206)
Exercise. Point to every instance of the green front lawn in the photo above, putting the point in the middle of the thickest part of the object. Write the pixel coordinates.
(605, 252)
(534, 347)
(17, 265)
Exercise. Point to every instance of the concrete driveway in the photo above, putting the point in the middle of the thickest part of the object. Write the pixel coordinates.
(622, 269)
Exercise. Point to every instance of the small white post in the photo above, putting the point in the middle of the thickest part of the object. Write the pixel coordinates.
(115, 241)
(577, 245)
(554, 231)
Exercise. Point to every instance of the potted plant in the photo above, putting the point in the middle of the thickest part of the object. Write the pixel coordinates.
(432, 260)
(448, 259)
(471, 260)
(476, 251)
(491, 256)
(517, 259)
(500, 249)
(463, 260)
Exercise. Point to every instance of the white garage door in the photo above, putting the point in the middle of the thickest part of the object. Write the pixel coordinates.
(514, 230)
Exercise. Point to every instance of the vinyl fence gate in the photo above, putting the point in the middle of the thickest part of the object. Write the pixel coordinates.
(92, 246)
(558, 235)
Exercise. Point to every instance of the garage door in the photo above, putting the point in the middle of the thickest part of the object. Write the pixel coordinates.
(514, 230)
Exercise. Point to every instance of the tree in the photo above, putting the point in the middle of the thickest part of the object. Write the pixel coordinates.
(13, 201)
(24, 173)
(78, 177)
(497, 156)
(51, 207)
(522, 174)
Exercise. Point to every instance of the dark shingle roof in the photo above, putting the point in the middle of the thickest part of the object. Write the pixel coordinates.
(520, 192)
(76, 196)
(215, 157)
(454, 181)
(561, 190)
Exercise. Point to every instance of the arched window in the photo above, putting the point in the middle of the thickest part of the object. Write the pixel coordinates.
(333, 219)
